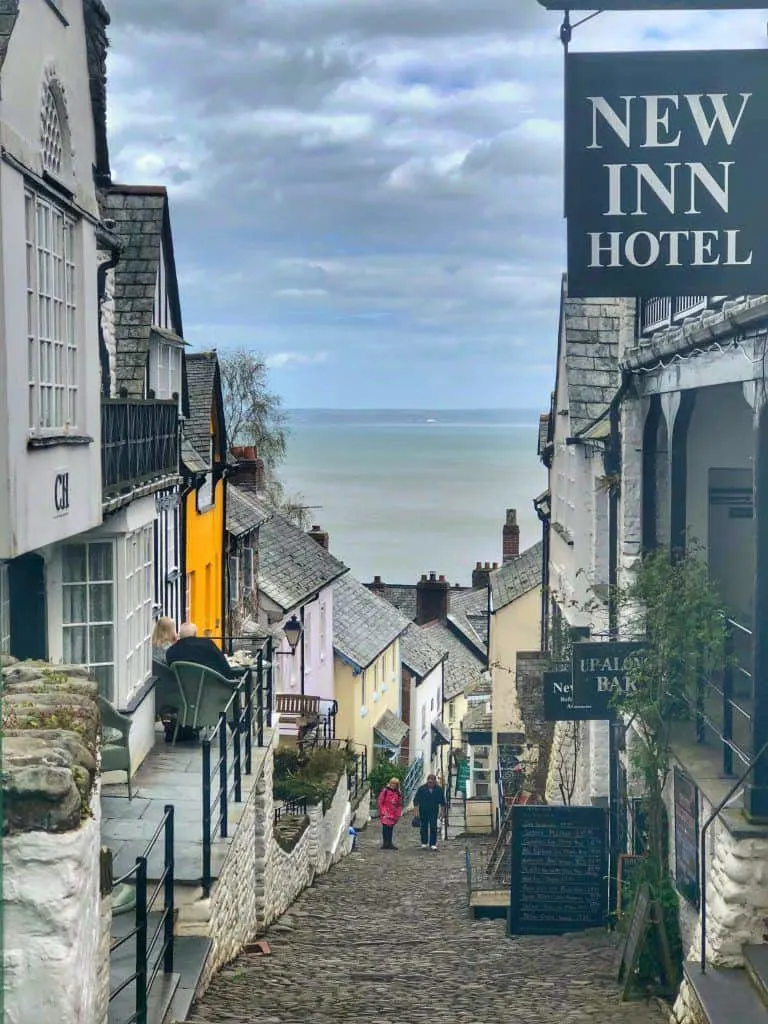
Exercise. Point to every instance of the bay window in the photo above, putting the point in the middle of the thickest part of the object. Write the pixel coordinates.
(52, 365)
(139, 589)
(88, 593)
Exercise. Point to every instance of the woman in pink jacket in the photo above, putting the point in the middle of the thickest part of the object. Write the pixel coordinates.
(390, 811)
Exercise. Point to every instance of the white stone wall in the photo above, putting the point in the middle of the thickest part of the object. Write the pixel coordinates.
(325, 842)
(56, 959)
(235, 911)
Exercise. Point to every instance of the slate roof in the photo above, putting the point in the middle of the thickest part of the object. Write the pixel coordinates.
(194, 462)
(418, 652)
(481, 687)
(468, 610)
(391, 728)
(590, 329)
(9, 12)
(462, 666)
(139, 214)
(403, 595)
(292, 566)
(364, 624)
(477, 720)
(244, 514)
(202, 374)
(516, 577)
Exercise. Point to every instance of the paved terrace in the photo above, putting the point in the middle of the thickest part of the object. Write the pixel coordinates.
(386, 937)
(169, 775)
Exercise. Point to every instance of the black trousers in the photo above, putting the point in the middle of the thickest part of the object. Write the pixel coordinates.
(386, 835)
(429, 831)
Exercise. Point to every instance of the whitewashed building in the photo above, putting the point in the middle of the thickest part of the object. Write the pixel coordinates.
(423, 689)
(53, 152)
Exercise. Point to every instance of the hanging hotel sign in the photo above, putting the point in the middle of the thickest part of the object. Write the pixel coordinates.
(666, 155)
(600, 675)
(559, 705)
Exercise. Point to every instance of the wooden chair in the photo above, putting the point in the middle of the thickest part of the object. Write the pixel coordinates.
(115, 746)
(203, 695)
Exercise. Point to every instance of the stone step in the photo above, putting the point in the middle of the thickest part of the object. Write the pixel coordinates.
(189, 959)
(725, 995)
(756, 964)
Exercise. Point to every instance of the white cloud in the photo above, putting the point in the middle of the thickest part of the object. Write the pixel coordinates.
(290, 360)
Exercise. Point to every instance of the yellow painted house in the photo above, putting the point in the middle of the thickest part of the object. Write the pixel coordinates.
(204, 451)
(367, 669)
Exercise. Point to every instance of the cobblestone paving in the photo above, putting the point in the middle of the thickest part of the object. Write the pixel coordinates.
(386, 937)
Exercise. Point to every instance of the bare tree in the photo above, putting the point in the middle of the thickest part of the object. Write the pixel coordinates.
(252, 412)
(567, 760)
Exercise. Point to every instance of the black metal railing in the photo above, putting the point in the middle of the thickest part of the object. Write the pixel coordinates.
(227, 757)
(263, 699)
(357, 774)
(139, 442)
(724, 701)
(156, 950)
(291, 809)
(659, 312)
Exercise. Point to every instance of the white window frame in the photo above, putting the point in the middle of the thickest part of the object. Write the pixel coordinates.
(248, 560)
(52, 315)
(99, 668)
(164, 369)
(5, 610)
(138, 577)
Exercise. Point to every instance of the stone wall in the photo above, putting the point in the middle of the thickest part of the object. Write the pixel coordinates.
(324, 843)
(259, 880)
(529, 681)
(55, 958)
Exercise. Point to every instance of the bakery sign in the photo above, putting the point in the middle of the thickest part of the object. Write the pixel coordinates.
(666, 156)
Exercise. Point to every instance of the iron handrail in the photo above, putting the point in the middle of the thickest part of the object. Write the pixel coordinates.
(145, 946)
(235, 721)
(703, 869)
(291, 809)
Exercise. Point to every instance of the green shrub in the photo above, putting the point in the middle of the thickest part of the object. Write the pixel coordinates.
(313, 775)
(288, 761)
(381, 773)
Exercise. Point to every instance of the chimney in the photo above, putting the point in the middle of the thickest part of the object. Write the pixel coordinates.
(432, 599)
(320, 536)
(511, 537)
(377, 586)
(481, 576)
(248, 473)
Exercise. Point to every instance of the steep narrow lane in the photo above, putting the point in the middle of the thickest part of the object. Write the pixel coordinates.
(386, 937)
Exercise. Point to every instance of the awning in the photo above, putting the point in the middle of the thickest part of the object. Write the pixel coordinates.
(442, 732)
(391, 729)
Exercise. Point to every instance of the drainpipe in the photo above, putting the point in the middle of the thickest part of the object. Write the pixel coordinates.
(301, 614)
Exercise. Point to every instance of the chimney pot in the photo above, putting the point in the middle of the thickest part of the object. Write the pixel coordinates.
(423, 577)
(495, 565)
(377, 579)
(320, 536)
(248, 472)
(478, 565)
(432, 599)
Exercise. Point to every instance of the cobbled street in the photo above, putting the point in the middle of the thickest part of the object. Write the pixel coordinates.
(386, 936)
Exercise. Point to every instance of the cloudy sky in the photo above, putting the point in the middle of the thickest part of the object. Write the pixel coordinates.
(368, 191)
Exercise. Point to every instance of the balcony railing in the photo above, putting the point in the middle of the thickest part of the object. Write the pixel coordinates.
(139, 443)
(656, 313)
(723, 712)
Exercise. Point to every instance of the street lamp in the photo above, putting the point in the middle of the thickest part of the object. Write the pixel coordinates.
(292, 630)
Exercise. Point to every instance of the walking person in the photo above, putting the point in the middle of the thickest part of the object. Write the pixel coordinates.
(390, 810)
(430, 803)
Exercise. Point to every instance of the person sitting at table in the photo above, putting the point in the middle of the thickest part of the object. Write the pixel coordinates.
(200, 651)
(163, 636)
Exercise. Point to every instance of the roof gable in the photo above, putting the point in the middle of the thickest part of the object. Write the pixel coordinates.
(418, 652)
(468, 612)
(462, 665)
(364, 625)
(292, 566)
(516, 577)
(205, 425)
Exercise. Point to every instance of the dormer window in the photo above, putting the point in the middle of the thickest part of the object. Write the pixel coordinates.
(164, 367)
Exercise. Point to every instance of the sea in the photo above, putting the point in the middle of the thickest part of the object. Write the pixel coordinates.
(408, 491)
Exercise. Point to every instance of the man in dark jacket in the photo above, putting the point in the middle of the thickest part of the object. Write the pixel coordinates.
(429, 802)
(199, 650)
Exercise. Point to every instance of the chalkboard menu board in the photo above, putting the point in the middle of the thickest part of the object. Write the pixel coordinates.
(686, 838)
(559, 868)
